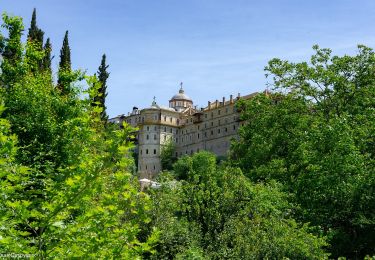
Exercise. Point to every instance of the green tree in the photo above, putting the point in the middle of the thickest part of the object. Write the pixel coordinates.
(65, 67)
(99, 99)
(314, 134)
(167, 155)
(216, 212)
(47, 56)
(35, 35)
(11, 50)
(66, 189)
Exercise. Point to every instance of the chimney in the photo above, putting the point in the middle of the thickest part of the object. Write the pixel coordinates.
(238, 96)
(231, 99)
(223, 101)
(216, 103)
(209, 105)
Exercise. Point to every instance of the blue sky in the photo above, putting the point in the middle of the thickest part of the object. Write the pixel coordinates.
(216, 47)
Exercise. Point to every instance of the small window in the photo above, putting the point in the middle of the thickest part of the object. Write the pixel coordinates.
(171, 130)
(154, 151)
(154, 167)
(218, 112)
(147, 137)
(198, 136)
(212, 114)
(226, 129)
(234, 127)
(170, 119)
(154, 137)
(212, 132)
(165, 118)
(212, 123)
(141, 152)
(176, 154)
(148, 128)
(218, 131)
(146, 151)
(146, 167)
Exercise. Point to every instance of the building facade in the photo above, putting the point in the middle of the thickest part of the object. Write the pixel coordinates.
(190, 129)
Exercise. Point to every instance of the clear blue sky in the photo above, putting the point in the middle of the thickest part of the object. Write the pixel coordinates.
(216, 47)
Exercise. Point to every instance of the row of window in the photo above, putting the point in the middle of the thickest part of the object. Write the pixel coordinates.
(170, 129)
(186, 138)
(155, 137)
(146, 151)
(140, 167)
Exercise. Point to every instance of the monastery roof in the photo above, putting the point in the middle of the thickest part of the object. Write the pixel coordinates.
(181, 95)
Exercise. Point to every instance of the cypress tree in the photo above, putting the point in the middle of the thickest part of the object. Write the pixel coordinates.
(99, 100)
(65, 62)
(35, 34)
(47, 56)
(65, 67)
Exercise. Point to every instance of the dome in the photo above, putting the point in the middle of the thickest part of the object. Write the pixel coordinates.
(181, 95)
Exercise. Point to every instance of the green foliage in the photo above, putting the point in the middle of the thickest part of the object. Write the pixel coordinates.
(47, 56)
(11, 50)
(216, 212)
(66, 190)
(99, 99)
(315, 134)
(35, 34)
(65, 67)
(167, 155)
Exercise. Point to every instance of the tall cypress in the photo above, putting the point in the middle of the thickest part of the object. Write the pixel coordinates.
(99, 99)
(65, 66)
(35, 34)
(65, 62)
(47, 56)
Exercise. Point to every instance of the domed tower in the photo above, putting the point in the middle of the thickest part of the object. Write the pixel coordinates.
(180, 101)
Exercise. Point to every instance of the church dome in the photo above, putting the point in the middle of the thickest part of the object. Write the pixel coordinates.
(181, 95)
(180, 101)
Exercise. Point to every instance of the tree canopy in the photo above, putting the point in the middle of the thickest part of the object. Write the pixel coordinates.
(315, 134)
(65, 184)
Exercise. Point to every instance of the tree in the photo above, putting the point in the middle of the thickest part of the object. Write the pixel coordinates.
(218, 211)
(65, 67)
(35, 35)
(47, 56)
(99, 98)
(167, 155)
(65, 184)
(314, 134)
(11, 50)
